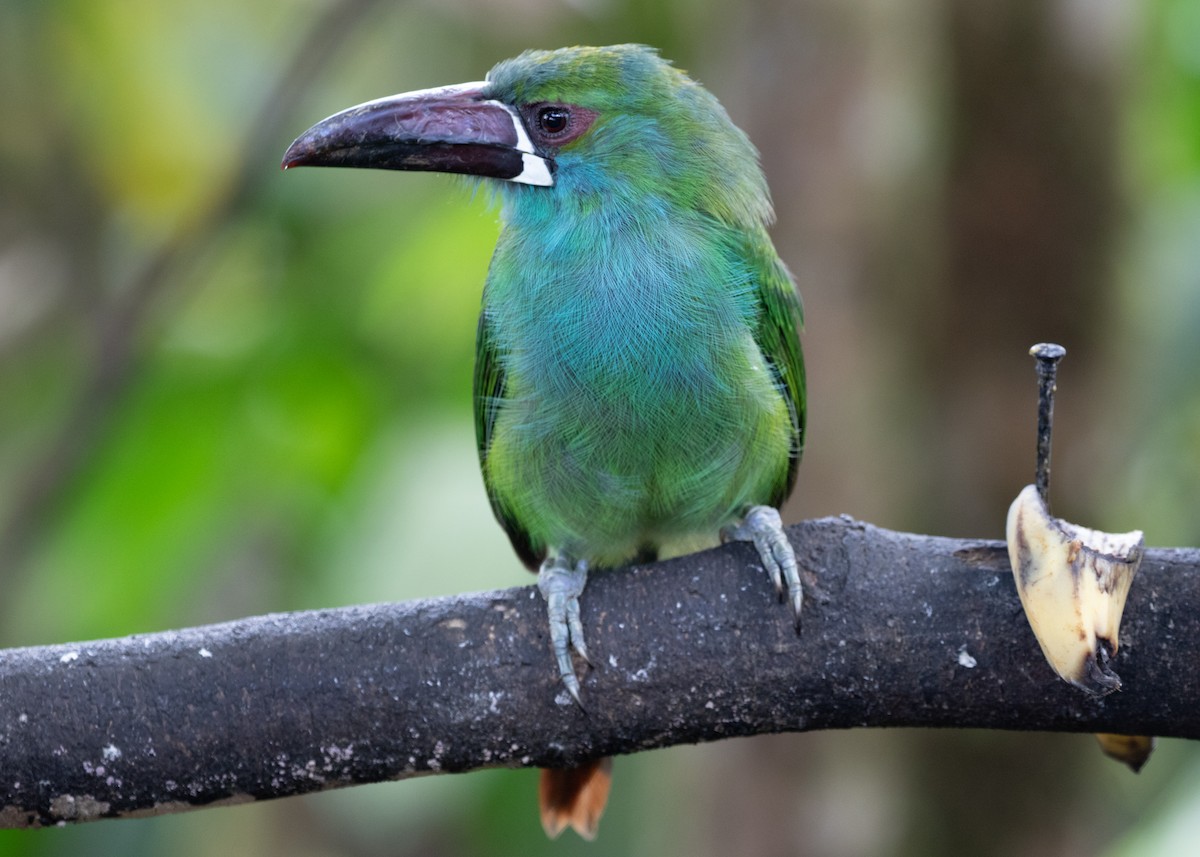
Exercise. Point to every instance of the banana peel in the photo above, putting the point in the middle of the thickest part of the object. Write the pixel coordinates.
(1073, 583)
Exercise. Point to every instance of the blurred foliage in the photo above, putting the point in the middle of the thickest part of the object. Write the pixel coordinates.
(225, 390)
(1161, 277)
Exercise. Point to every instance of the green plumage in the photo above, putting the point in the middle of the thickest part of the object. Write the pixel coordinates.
(639, 389)
(639, 383)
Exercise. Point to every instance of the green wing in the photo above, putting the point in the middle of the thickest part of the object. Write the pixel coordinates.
(780, 316)
(489, 400)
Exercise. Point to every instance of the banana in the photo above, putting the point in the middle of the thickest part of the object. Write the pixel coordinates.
(1073, 583)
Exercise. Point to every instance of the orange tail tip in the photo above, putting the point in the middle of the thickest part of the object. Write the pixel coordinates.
(1133, 750)
(575, 797)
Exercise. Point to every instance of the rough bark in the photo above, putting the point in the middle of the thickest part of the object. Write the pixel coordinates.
(909, 630)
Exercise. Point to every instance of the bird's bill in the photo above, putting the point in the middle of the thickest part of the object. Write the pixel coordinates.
(451, 129)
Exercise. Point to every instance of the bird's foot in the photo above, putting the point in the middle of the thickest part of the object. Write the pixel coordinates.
(561, 583)
(763, 526)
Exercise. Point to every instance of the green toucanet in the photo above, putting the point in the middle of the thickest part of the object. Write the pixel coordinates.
(639, 386)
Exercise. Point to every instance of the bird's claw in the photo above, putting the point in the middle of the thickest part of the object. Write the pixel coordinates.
(763, 526)
(561, 583)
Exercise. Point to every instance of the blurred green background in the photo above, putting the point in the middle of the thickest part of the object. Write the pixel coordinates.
(227, 391)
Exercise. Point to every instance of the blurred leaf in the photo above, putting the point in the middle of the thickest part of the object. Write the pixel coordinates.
(423, 298)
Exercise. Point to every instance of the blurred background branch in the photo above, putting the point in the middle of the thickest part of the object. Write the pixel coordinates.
(118, 326)
(913, 631)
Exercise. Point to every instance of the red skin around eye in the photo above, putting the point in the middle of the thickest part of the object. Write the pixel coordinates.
(581, 120)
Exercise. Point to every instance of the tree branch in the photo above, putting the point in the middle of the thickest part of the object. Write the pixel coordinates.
(913, 631)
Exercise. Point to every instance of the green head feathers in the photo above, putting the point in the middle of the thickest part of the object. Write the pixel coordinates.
(647, 129)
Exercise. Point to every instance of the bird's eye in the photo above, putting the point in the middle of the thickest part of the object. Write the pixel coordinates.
(553, 120)
(553, 125)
